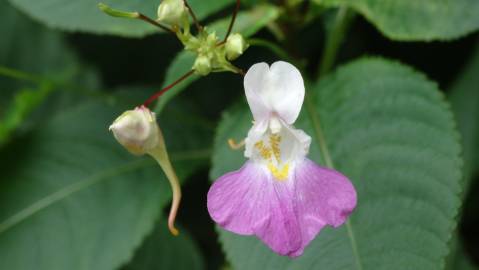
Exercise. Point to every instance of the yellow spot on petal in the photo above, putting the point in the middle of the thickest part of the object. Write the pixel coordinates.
(277, 173)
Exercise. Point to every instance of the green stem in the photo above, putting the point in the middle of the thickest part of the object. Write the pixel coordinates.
(161, 156)
(318, 132)
(19, 75)
(273, 48)
(334, 40)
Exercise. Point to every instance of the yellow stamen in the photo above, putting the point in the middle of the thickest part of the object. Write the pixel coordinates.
(274, 140)
(267, 153)
(264, 151)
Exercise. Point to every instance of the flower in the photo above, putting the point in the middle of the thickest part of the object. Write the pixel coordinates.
(279, 195)
(138, 131)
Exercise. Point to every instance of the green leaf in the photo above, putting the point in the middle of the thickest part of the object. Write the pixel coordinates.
(85, 16)
(464, 99)
(24, 103)
(247, 23)
(390, 131)
(27, 77)
(73, 198)
(413, 20)
(161, 250)
(51, 56)
(458, 258)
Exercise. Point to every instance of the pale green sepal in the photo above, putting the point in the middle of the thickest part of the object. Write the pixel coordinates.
(118, 13)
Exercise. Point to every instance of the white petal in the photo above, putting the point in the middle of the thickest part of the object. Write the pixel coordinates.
(293, 143)
(298, 143)
(276, 90)
(254, 81)
(256, 132)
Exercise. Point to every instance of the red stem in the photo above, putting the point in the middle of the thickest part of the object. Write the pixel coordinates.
(195, 20)
(162, 91)
(153, 22)
(233, 18)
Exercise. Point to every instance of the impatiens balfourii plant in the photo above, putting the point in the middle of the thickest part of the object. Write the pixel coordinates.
(279, 195)
(382, 124)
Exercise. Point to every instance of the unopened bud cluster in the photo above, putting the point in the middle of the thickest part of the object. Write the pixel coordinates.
(211, 53)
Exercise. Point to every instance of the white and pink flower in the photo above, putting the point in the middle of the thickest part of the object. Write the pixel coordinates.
(279, 195)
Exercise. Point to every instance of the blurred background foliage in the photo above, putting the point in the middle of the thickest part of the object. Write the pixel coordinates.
(72, 198)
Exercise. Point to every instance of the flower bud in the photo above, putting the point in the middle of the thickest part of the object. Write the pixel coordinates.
(137, 130)
(171, 11)
(235, 46)
(202, 65)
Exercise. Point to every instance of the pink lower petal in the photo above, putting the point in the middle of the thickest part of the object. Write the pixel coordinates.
(286, 215)
(248, 201)
(323, 197)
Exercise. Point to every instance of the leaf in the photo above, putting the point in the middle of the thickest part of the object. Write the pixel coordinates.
(464, 99)
(412, 20)
(73, 198)
(19, 33)
(28, 77)
(247, 23)
(85, 16)
(458, 258)
(161, 250)
(16, 54)
(25, 101)
(389, 130)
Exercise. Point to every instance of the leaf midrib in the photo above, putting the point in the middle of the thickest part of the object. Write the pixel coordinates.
(321, 139)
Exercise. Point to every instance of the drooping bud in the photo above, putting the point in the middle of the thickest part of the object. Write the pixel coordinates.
(235, 46)
(138, 131)
(171, 11)
(202, 65)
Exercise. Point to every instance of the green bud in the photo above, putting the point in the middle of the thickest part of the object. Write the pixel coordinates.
(171, 11)
(118, 13)
(212, 40)
(202, 65)
(235, 46)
